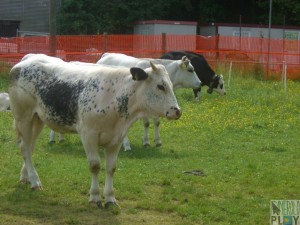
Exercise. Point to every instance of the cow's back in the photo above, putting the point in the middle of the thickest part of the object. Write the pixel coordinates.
(118, 59)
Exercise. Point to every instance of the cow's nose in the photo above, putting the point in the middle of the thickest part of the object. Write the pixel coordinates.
(197, 84)
(174, 113)
(178, 113)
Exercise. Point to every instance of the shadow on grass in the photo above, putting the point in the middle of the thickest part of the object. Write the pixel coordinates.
(24, 206)
(65, 147)
(138, 151)
(142, 152)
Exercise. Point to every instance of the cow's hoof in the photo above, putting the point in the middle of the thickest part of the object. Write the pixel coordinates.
(36, 188)
(97, 203)
(61, 141)
(113, 207)
(146, 144)
(158, 145)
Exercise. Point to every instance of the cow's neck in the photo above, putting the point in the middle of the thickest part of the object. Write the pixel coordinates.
(133, 108)
(171, 69)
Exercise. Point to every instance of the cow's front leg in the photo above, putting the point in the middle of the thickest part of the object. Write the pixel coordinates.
(146, 131)
(90, 143)
(198, 97)
(197, 93)
(156, 132)
(111, 160)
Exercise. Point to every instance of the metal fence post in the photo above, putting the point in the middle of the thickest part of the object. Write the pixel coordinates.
(164, 43)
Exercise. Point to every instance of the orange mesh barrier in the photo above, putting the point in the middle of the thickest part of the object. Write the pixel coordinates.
(270, 54)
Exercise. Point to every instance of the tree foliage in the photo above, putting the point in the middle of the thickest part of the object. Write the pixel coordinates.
(118, 16)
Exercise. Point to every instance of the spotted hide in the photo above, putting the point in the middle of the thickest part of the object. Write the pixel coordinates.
(99, 103)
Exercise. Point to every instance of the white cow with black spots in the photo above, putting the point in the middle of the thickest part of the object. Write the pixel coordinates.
(99, 103)
(181, 73)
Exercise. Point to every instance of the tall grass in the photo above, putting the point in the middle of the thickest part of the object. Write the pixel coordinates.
(246, 143)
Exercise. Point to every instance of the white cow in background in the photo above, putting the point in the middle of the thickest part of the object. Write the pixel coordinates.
(181, 73)
(4, 102)
(99, 103)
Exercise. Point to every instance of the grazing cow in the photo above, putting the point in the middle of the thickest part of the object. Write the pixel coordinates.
(205, 73)
(181, 73)
(99, 103)
(4, 102)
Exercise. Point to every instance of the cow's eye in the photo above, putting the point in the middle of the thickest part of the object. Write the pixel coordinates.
(161, 87)
(191, 70)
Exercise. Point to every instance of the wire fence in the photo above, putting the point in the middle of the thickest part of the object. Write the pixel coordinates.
(272, 55)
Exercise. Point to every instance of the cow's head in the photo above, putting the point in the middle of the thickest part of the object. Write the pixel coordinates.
(217, 85)
(185, 76)
(156, 94)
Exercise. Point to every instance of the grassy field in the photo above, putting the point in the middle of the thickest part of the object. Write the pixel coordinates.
(246, 143)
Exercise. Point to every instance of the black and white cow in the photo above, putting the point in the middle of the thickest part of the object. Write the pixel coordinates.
(205, 73)
(99, 103)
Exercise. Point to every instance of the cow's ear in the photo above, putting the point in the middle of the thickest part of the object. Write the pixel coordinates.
(184, 62)
(138, 73)
(184, 58)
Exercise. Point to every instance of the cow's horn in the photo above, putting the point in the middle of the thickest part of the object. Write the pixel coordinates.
(153, 66)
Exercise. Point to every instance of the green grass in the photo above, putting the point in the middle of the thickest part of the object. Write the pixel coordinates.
(246, 143)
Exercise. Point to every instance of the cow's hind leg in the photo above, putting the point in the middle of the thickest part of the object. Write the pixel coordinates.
(28, 132)
(156, 132)
(90, 144)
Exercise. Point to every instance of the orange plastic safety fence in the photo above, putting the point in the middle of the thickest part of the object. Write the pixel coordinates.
(89, 48)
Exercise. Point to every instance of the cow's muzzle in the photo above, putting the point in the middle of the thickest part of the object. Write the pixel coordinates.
(209, 90)
(174, 113)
